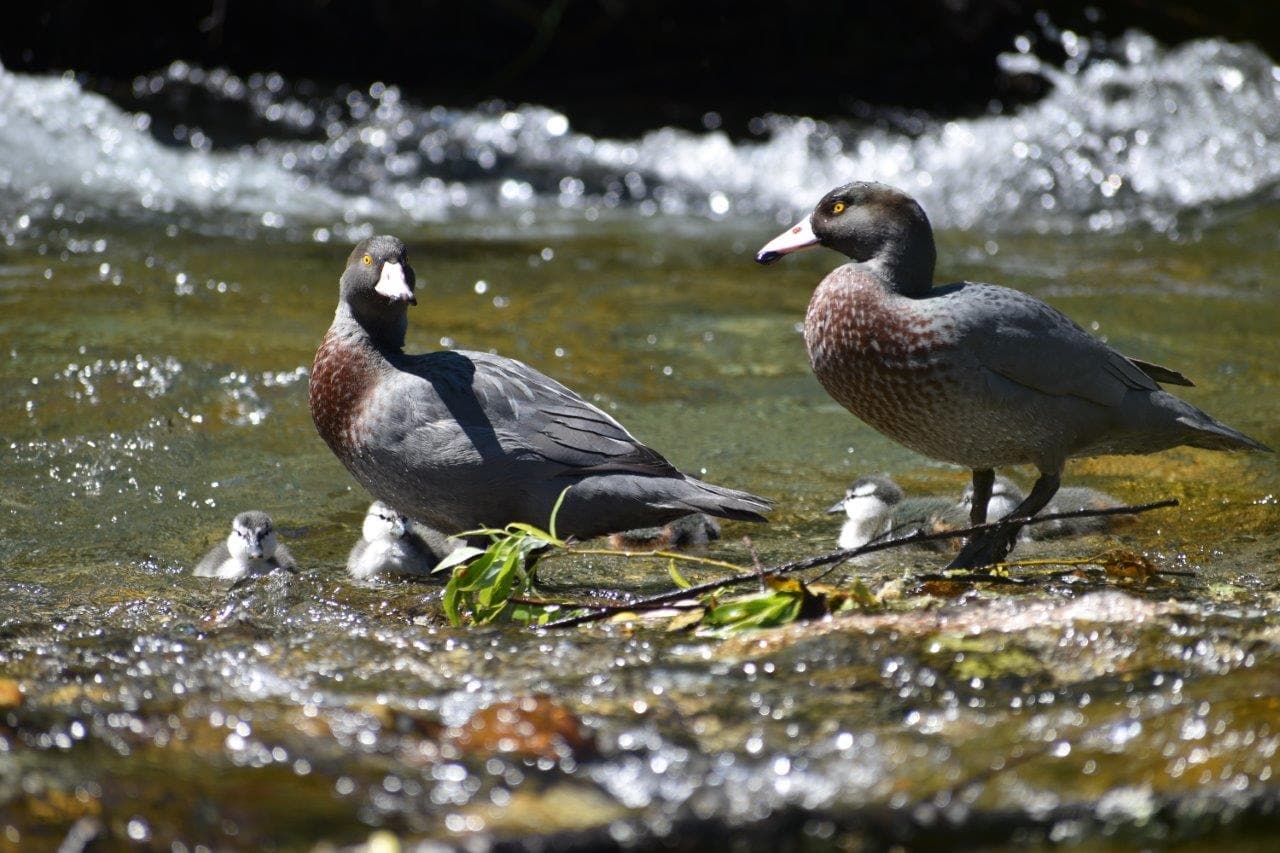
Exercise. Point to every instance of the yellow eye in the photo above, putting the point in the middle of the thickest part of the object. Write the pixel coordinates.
(837, 208)
(367, 260)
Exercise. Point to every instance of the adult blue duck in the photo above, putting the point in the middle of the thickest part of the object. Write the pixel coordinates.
(459, 440)
(975, 374)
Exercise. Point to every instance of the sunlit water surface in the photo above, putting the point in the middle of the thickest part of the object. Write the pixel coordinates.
(154, 352)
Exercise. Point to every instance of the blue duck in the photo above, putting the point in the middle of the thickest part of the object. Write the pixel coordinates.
(392, 545)
(876, 508)
(974, 374)
(249, 550)
(691, 531)
(459, 440)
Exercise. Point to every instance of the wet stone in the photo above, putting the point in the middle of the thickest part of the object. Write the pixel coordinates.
(532, 727)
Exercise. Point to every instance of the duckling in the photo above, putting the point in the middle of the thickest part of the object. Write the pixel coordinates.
(391, 544)
(877, 509)
(250, 549)
(1070, 499)
(1005, 497)
(690, 531)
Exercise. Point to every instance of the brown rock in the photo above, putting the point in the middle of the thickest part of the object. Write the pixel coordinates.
(529, 727)
(10, 694)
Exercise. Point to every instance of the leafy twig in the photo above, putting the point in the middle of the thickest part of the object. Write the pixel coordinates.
(847, 553)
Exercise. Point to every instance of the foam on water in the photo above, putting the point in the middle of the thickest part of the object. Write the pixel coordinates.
(1132, 134)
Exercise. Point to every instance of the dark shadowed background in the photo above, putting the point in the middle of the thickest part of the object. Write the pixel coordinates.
(618, 65)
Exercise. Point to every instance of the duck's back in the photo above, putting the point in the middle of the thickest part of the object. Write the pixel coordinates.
(985, 376)
(461, 440)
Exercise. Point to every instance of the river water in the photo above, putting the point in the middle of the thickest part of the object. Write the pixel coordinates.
(170, 264)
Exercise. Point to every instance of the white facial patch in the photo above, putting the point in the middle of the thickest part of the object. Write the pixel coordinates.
(392, 283)
(237, 544)
(864, 490)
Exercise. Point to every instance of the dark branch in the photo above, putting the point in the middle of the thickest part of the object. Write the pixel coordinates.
(840, 556)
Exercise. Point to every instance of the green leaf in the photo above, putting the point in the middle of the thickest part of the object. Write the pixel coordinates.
(756, 610)
(678, 578)
(457, 557)
(450, 603)
(555, 511)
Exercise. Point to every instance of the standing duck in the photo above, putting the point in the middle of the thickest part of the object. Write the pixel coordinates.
(460, 440)
(974, 374)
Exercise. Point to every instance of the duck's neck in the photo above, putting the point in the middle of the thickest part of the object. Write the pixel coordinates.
(905, 262)
(383, 330)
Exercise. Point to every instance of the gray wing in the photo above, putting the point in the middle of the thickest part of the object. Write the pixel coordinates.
(1033, 344)
(507, 408)
(1160, 373)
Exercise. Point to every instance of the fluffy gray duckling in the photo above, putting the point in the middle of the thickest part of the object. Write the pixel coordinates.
(1006, 496)
(391, 544)
(250, 549)
(876, 508)
(691, 531)
(974, 374)
(1072, 498)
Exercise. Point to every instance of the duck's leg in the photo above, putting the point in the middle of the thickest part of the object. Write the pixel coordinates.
(991, 547)
(984, 480)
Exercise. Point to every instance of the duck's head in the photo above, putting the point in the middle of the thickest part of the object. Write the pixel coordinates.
(381, 522)
(868, 498)
(378, 282)
(871, 223)
(253, 536)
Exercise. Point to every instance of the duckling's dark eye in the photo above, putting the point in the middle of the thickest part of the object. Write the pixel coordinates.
(367, 260)
(837, 208)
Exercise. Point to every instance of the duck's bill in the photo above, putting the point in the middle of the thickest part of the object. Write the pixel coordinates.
(797, 237)
(393, 284)
(836, 507)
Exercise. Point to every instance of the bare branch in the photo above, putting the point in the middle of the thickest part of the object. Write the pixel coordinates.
(840, 556)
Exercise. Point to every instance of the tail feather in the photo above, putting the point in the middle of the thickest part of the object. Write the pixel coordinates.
(1212, 434)
(725, 503)
(1160, 373)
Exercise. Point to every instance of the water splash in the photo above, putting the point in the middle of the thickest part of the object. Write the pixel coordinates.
(1134, 135)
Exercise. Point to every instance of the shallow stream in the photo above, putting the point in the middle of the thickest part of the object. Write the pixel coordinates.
(155, 338)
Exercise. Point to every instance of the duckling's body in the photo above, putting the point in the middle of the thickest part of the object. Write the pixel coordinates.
(691, 531)
(877, 509)
(250, 549)
(392, 545)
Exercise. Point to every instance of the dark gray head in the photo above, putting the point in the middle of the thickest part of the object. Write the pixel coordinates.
(377, 286)
(873, 224)
(878, 491)
(252, 535)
